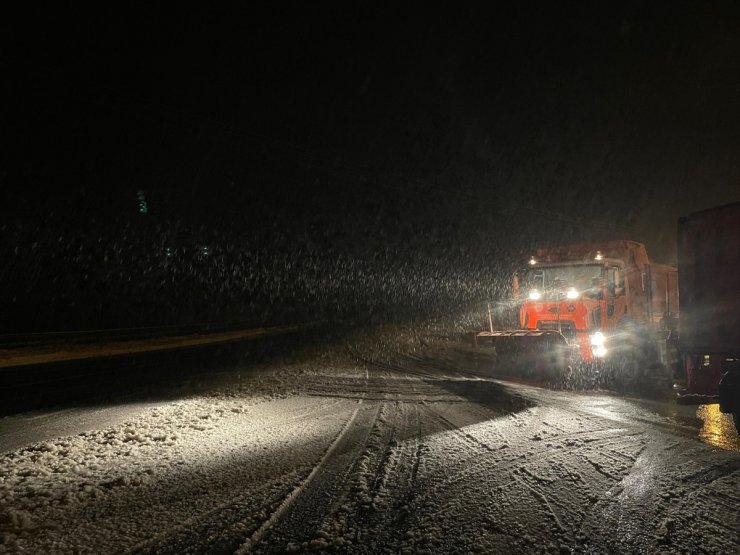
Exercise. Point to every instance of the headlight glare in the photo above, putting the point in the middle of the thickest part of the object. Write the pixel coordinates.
(599, 351)
(535, 295)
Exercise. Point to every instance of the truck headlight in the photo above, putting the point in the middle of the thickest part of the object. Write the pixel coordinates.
(597, 344)
(535, 295)
(572, 293)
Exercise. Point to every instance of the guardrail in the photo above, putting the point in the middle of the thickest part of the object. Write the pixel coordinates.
(54, 349)
(10, 340)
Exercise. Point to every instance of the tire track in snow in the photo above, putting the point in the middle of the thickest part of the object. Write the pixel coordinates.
(416, 372)
(510, 468)
(384, 521)
(379, 389)
(619, 512)
(254, 540)
(384, 449)
(194, 526)
(438, 365)
(647, 511)
(483, 475)
(540, 496)
(488, 462)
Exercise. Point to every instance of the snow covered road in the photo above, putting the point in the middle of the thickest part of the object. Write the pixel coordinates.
(371, 458)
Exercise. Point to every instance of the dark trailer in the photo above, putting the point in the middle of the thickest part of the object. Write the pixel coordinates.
(709, 285)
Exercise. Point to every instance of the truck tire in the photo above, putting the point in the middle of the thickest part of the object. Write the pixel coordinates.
(729, 395)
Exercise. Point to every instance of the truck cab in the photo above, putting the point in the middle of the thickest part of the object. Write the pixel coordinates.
(584, 301)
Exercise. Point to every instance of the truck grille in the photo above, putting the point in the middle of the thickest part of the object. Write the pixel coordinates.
(566, 327)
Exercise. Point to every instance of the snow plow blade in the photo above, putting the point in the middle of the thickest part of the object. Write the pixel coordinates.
(541, 353)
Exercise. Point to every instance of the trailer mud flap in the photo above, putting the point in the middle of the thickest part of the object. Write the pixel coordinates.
(729, 391)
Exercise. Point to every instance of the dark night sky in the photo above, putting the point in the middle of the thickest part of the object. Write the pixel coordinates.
(623, 112)
(518, 122)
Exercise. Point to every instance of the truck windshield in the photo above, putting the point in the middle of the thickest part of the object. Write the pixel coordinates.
(552, 282)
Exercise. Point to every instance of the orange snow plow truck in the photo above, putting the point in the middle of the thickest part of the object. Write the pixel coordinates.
(590, 303)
